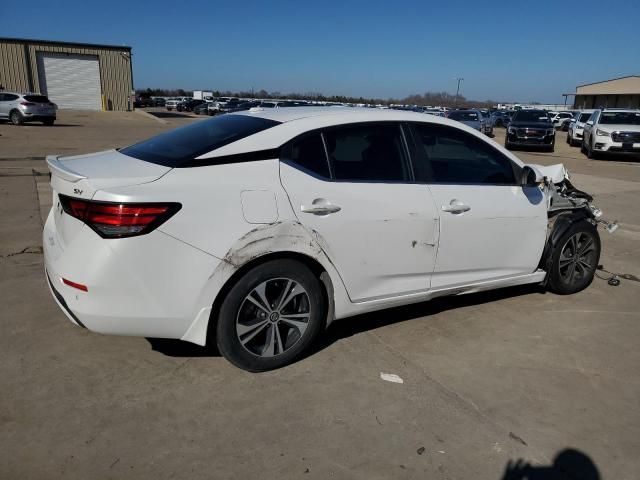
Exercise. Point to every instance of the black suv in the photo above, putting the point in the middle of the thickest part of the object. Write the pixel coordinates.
(531, 128)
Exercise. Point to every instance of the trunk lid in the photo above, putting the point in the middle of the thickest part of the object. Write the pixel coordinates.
(82, 176)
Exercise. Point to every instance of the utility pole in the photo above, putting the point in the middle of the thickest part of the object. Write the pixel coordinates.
(459, 79)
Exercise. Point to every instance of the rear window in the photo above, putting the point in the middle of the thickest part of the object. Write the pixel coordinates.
(182, 145)
(37, 98)
(464, 116)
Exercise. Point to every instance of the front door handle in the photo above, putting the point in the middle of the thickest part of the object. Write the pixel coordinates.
(320, 206)
(456, 206)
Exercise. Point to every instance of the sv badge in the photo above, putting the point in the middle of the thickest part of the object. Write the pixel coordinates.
(77, 191)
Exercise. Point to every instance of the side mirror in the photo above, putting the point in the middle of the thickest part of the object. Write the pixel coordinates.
(590, 122)
(531, 177)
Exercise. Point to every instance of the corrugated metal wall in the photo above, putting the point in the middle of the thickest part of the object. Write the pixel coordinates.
(19, 68)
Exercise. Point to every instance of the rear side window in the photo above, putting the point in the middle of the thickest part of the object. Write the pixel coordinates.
(181, 146)
(451, 156)
(308, 153)
(37, 98)
(367, 153)
(9, 97)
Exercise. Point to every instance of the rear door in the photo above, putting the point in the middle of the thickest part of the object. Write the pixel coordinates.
(351, 186)
(490, 226)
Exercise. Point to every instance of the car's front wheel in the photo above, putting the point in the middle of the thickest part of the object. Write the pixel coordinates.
(271, 315)
(574, 262)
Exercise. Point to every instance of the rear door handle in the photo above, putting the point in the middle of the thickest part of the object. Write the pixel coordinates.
(456, 206)
(320, 206)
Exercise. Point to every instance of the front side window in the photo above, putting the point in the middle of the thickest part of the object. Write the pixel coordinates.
(451, 156)
(180, 147)
(367, 153)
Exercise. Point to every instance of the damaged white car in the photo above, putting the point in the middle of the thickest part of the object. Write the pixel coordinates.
(254, 230)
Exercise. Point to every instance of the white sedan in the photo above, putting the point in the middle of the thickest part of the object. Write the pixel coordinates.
(256, 229)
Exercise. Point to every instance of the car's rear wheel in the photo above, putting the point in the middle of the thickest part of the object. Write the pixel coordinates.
(16, 118)
(575, 260)
(271, 315)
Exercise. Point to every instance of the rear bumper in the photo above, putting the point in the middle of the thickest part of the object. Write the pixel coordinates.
(142, 286)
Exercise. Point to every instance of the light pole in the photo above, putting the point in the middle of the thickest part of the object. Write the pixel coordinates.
(459, 79)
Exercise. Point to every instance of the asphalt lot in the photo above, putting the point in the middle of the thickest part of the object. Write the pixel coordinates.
(488, 378)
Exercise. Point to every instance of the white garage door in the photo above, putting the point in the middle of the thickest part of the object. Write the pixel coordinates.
(70, 81)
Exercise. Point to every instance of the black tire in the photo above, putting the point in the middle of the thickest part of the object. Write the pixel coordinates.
(507, 145)
(48, 122)
(591, 155)
(567, 276)
(552, 148)
(499, 123)
(568, 139)
(254, 354)
(16, 118)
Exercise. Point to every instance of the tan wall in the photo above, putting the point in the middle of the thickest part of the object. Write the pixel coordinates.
(628, 85)
(18, 60)
(607, 101)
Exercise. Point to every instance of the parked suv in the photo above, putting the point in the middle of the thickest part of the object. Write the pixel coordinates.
(576, 127)
(244, 229)
(612, 131)
(531, 128)
(19, 108)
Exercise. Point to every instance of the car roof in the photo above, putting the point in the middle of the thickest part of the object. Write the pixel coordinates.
(296, 121)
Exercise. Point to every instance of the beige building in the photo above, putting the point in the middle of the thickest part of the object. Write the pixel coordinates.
(74, 75)
(619, 92)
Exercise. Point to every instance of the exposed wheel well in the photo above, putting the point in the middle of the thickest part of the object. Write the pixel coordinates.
(311, 263)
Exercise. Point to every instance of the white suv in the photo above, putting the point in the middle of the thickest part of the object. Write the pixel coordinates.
(256, 229)
(612, 131)
(576, 127)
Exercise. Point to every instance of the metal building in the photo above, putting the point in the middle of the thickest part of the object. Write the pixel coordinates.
(619, 92)
(74, 75)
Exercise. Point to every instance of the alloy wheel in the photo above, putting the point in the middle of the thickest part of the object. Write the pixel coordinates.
(273, 317)
(577, 258)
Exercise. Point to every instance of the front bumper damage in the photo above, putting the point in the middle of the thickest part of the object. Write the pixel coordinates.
(563, 197)
(566, 205)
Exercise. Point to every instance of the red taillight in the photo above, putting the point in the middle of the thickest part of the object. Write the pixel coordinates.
(118, 220)
(27, 104)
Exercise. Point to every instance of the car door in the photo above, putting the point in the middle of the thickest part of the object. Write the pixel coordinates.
(490, 226)
(589, 127)
(4, 111)
(351, 186)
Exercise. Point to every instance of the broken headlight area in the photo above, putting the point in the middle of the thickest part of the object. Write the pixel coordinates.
(562, 196)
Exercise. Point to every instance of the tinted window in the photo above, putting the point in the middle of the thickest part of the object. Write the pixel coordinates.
(455, 157)
(368, 152)
(462, 116)
(308, 153)
(36, 98)
(179, 146)
(584, 117)
(9, 97)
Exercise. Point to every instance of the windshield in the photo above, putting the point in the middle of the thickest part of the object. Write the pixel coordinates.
(620, 118)
(177, 147)
(464, 116)
(530, 116)
(584, 117)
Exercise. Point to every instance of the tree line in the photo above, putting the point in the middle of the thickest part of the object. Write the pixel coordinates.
(442, 99)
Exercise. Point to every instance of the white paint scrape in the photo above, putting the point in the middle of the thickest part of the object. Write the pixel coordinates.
(391, 377)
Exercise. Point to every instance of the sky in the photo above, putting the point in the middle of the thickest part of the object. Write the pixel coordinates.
(512, 51)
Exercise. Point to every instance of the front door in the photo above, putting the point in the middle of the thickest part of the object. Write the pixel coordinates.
(351, 186)
(490, 226)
